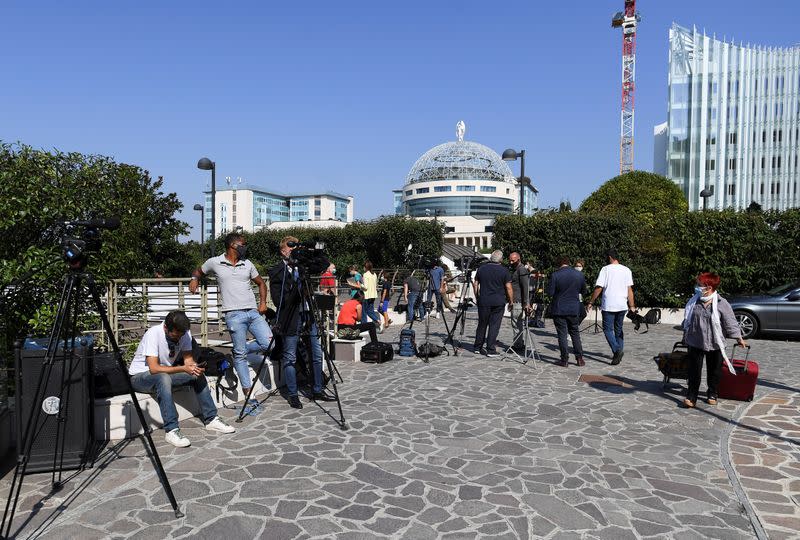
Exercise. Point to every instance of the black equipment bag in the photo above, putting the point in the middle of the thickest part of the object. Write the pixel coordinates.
(109, 379)
(377, 352)
(675, 364)
(217, 365)
(653, 316)
(429, 350)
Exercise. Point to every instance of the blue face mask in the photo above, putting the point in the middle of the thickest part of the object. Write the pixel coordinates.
(700, 290)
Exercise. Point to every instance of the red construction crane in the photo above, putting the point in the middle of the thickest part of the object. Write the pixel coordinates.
(627, 20)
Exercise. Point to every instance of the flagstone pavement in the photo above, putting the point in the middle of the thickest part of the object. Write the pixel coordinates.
(465, 447)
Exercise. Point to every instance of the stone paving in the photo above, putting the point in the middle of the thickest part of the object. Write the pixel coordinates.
(462, 447)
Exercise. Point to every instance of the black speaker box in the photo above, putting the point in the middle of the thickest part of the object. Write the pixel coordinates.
(68, 385)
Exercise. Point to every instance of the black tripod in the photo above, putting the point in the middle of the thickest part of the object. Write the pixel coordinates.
(595, 325)
(429, 311)
(461, 311)
(65, 328)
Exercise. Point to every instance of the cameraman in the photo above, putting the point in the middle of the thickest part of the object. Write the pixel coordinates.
(293, 312)
(234, 273)
(520, 283)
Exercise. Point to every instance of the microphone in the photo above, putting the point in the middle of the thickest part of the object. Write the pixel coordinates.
(97, 223)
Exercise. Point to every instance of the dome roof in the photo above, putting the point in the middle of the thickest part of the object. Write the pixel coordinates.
(460, 160)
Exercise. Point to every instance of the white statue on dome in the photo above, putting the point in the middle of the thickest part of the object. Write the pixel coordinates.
(460, 129)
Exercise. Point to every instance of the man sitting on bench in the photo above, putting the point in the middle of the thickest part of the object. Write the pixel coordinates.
(154, 370)
(349, 325)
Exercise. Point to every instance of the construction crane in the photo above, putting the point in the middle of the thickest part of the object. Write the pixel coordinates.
(627, 20)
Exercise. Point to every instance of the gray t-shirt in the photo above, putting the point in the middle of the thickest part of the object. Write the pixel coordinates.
(233, 281)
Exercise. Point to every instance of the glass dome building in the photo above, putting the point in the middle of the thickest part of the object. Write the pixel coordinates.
(465, 184)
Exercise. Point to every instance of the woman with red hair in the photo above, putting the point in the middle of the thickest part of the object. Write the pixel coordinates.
(708, 321)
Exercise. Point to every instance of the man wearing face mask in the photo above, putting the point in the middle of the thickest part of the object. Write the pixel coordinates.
(293, 315)
(234, 274)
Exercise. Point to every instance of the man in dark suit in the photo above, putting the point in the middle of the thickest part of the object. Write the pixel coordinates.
(565, 286)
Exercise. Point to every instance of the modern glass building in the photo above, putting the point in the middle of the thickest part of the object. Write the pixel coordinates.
(252, 208)
(733, 125)
(464, 184)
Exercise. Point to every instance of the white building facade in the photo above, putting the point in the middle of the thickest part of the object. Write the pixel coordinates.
(465, 185)
(733, 124)
(250, 209)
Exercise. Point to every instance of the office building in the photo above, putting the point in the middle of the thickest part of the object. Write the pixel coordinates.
(732, 127)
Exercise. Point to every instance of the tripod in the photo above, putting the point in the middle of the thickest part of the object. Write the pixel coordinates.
(65, 328)
(429, 307)
(461, 311)
(527, 337)
(595, 325)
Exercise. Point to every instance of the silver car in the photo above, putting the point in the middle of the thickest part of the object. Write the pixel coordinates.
(776, 311)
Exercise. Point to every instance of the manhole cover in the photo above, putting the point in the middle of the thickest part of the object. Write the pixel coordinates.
(602, 380)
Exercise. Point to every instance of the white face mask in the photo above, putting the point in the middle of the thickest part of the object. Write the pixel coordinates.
(579, 268)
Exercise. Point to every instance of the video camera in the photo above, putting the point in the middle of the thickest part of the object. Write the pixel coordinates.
(83, 237)
(309, 256)
(472, 262)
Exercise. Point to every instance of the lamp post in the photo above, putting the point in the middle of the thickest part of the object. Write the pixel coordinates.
(201, 209)
(705, 194)
(206, 164)
(512, 155)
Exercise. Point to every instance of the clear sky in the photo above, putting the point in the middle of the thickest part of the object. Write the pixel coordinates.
(345, 96)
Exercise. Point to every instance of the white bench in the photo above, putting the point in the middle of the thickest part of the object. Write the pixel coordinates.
(348, 350)
(115, 417)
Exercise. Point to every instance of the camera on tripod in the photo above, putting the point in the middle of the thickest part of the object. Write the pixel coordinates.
(472, 262)
(83, 237)
(308, 257)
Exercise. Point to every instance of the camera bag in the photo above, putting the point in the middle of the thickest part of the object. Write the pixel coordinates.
(408, 344)
(377, 352)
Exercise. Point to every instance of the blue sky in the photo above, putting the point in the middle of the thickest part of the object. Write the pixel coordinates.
(345, 96)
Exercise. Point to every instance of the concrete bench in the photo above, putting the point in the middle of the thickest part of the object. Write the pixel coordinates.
(115, 417)
(348, 350)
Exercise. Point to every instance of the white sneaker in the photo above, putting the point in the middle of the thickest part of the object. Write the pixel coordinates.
(176, 438)
(219, 426)
(436, 314)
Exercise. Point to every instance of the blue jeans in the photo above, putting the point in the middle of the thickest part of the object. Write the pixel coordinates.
(161, 385)
(290, 356)
(438, 294)
(412, 300)
(239, 322)
(612, 328)
(368, 310)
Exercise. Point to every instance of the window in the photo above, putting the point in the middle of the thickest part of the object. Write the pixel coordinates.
(465, 188)
(409, 192)
(234, 196)
(422, 190)
(732, 138)
(731, 190)
(732, 164)
(490, 189)
(711, 164)
(440, 189)
(234, 208)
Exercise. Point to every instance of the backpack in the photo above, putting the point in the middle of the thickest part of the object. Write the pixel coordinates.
(653, 316)
(408, 345)
(217, 365)
(429, 350)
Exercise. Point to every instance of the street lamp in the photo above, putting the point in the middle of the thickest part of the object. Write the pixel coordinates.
(512, 155)
(206, 164)
(705, 194)
(200, 208)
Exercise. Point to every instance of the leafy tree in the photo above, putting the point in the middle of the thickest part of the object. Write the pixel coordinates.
(652, 197)
(39, 190)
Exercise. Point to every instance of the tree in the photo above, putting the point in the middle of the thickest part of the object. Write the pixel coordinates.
(39, 190)
(639, 194)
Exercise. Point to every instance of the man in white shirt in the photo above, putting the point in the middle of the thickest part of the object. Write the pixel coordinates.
(615, 283)
(153, 371)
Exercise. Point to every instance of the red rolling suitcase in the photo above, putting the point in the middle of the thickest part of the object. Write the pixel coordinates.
(741, 386)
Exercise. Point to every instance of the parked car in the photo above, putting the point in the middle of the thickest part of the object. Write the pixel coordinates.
(776, 311)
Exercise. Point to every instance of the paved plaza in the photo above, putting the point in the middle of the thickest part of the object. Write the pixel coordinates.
(466, 447)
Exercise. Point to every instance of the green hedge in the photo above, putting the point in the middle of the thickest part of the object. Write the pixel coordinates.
(383, 241)
(751, 251)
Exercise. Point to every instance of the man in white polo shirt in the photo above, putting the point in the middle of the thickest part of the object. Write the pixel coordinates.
(234, 273)
(615, 283)
(153, 371)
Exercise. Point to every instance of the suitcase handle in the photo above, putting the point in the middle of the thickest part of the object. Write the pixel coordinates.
(746, 356)
(679, 345)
